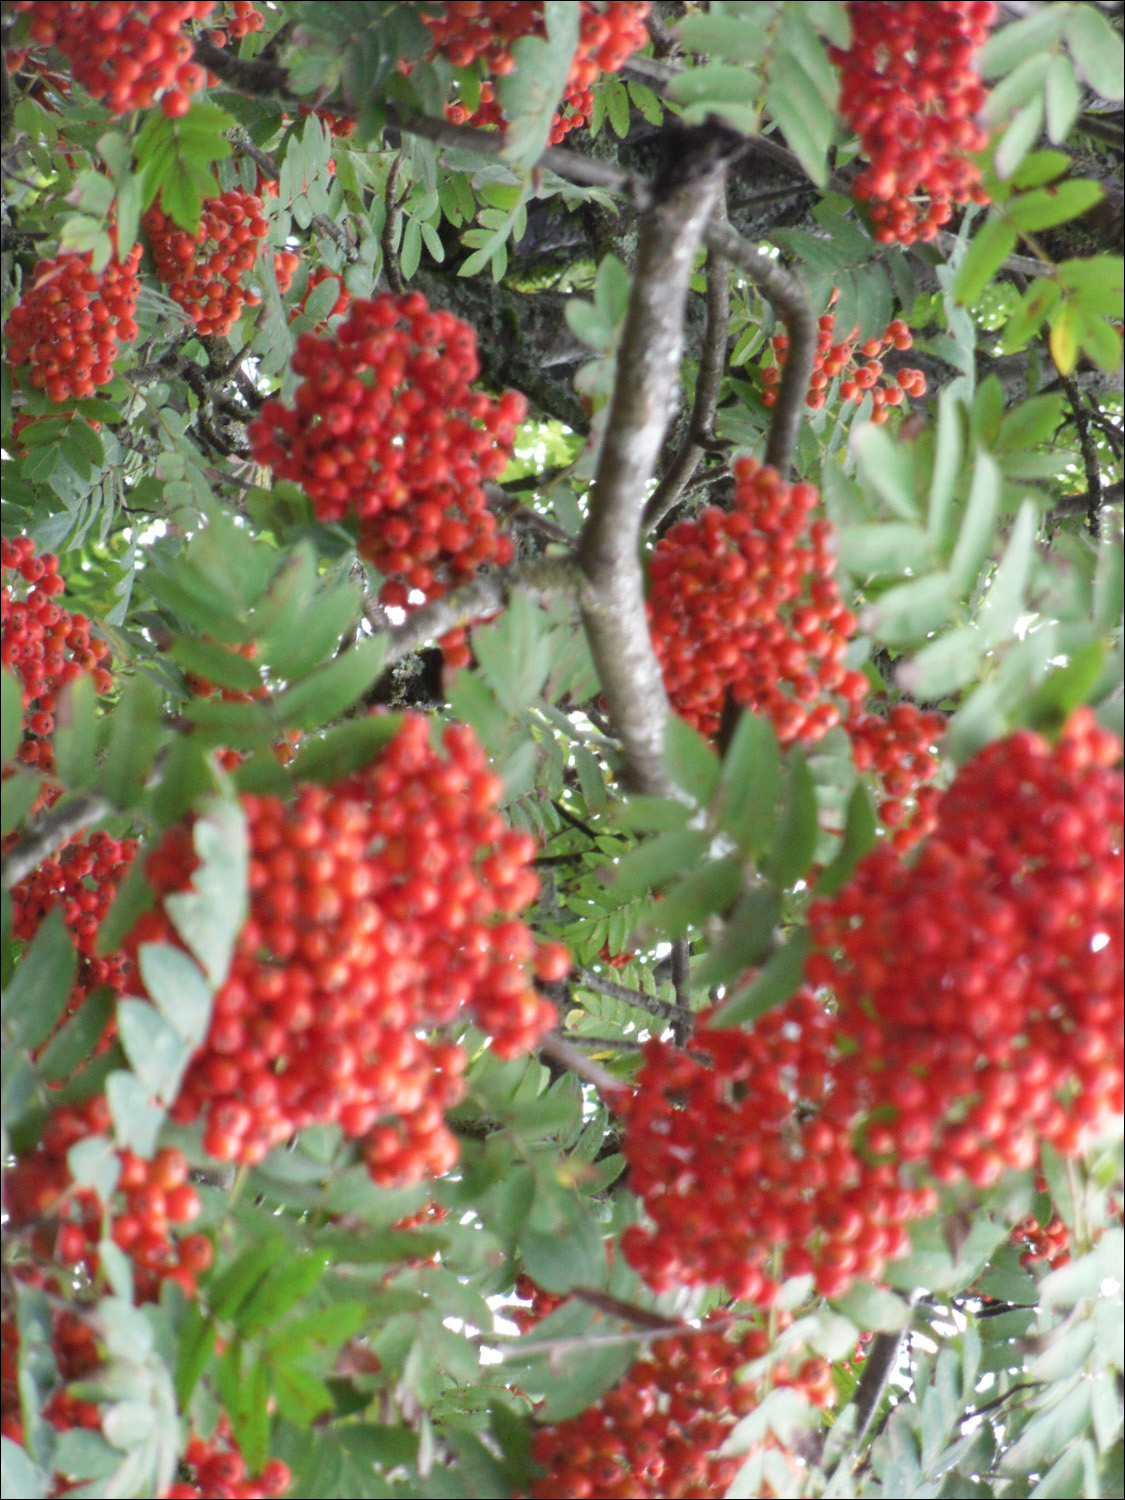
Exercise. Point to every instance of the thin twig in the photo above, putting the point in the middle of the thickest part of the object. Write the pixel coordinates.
(393, 208)
(786, 294)
(586, 979)
(48, 832)
(1089, 455)
(700, 434)
(484, 596)
(568, 1056)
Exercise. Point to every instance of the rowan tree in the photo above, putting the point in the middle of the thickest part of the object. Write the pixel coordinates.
(562, 729)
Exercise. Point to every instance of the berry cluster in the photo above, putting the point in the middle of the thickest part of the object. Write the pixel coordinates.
(378, 908)
(467, 32)
(70, 322)
(239, 18)
(64, 1223)
(909, 92)
(75, 1350)
(838, 357)
(203, 272)
(82, 878)
(385, 426)
(123, 52)
(898, 751)
(43, 644)
(1048, 1242)
(979, 991)
(740, 603)
(541, 1304)
(742, 1152)
(657, 1433)
(215, 1466)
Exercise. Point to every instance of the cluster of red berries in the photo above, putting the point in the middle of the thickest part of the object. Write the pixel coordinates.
(979, 990)
(203, 271)
(82, 878)
(69, 324)
(43, 644)
(742, 1153)
(469, 30)
(656, 1434)
(541, 1304)
(214, 1466)
(123, 52)
(378, 908)
(909, 91)
(385, 426)
(742, 602)
(64, 1223)
(238, 19)
(838, 357)
(899, 751)
(1048, 1242)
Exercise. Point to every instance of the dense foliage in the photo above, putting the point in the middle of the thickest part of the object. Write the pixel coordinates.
(562, 730)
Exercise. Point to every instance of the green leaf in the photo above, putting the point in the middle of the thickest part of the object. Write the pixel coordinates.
(1064, 98)
(911, 611)
(1100, 341)
(991, 246)
(1048, 206)
(11, 715)
(859, 837)
(515, 653)
(974, 542)
(776, 982)
(944, 666)
(20, 794)
(1097, 282)
(76, 733)
(136, 729)
(1004, 602)
(217, 664)
(39, 989)
(210, 915)
(892, 547)
(873, 1307)
(529, 95)
(77, 1039)
(715, 84)
(20, 1475)
(799, 107)
(690, 761)
(176, 986)
(737, 38)
(347, 748)
(335, 688)
(280, 1289)
(888, 468)
(1027, 37)
(230, 1290)
(750, 785)
(1019, 137)
(794, 846)
(745, 941)
(136, 1120)
(658, 860)
(703, 894)
(157, 1054)
(1096, 48)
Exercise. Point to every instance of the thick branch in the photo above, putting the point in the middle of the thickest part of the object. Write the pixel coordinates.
(700, 434)
(648, 359)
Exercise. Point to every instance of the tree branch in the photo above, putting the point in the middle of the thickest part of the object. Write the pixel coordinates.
(786, 294)
(48, 832)
(1089, 455)
(612, 599)
(485, 594)
(559, 1050)
(586, 979)
(700, 434)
